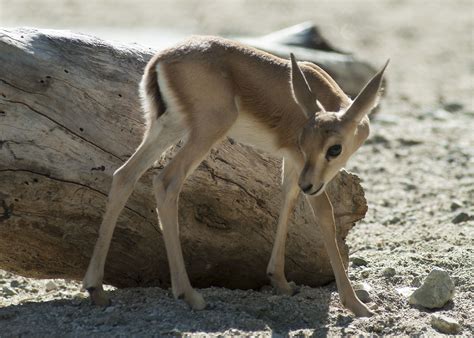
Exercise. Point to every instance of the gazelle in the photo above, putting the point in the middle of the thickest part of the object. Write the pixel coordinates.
(206, 88)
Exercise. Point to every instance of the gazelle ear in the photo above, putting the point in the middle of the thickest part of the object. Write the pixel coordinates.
(367, 98)
(301, 90)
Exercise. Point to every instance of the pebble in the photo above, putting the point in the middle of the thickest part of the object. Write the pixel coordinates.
(7, 292)
(453, 107)
(359, 261)
(461, 217)
(455, 205)
(50, 286)
(436, 291)
(362, 291)
(445, 324)
(378, 139)
(14, 283)
(389, 272)
(392, 220)
(365, 273)
(77, 299)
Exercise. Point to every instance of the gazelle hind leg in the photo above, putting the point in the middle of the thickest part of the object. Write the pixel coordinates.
(162, 133)
(167, 186)
(276, 265)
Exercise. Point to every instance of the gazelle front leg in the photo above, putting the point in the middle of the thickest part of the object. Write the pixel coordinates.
(276, 265)
(324, 215)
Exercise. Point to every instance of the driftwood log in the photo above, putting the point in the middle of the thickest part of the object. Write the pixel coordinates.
(70, 116)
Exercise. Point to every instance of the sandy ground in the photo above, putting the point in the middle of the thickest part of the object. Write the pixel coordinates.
(417, 170)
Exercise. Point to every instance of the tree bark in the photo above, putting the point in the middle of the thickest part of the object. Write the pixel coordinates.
(70, 116)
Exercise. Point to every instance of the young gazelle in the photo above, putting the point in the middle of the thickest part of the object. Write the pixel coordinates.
(206, 88)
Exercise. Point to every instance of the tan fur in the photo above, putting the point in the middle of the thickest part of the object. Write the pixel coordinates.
(150, 94)
(209, 87)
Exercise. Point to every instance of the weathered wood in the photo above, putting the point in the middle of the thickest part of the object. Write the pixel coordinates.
(70, 116)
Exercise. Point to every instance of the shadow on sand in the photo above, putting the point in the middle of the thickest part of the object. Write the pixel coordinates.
(153, 311)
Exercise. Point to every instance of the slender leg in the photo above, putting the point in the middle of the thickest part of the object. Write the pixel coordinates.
(276, 265)
(123, 182)
(167, 186)
(324, 215)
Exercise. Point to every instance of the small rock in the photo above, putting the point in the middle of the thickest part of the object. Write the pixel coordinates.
(445, 324)
(461, 217)
(14, 283)
(436, 291)
(359, 261)
(392, 220)
(365, 273)
(377, 327)
(7, 292)
(50, 286)
(452, 107)
(378, 139)
(409, 142)
(388, 272)
(362, 291)
(455, 205)
(77, 299)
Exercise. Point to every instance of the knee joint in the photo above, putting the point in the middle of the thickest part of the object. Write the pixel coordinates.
(166, 189)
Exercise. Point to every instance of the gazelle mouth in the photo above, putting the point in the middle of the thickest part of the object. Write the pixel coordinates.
(317, 190)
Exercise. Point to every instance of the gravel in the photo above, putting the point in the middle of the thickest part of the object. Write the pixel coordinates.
(417, 171)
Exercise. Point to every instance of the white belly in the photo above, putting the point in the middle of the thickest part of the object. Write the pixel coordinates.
(249, 131)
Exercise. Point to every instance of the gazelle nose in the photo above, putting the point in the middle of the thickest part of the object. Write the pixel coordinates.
(307, 188)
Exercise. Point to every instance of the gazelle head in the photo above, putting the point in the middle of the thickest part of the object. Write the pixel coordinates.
(328, 139)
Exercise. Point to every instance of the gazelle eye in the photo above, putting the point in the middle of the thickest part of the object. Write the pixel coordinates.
(333, 151)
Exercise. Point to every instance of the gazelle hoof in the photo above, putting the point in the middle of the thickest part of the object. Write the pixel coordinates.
(98, 296)
(285, 288)
(364, 312)
(194, 299)
(359, 309)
